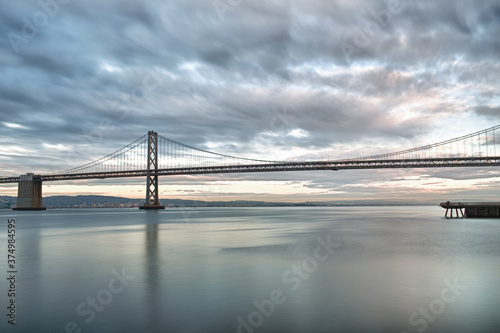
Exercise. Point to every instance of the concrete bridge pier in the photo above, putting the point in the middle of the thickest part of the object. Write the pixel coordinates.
(29, 193)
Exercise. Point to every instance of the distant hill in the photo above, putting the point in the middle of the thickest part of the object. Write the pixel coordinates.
(91, 200)
(69, 201)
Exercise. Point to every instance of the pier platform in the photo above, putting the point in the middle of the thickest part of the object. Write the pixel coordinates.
(472, 209)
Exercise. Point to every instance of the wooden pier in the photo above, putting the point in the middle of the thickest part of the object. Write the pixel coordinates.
(472, 209)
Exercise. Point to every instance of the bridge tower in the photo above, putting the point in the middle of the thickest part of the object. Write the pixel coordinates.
(29, 193)
(152, 174)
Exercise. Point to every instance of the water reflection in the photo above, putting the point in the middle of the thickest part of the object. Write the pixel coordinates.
(202, 276)
(30, 267)
(151, 267)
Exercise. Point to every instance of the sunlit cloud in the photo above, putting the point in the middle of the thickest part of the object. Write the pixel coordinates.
(15, 126)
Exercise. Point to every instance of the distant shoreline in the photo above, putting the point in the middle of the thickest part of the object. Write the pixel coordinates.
(96, 201)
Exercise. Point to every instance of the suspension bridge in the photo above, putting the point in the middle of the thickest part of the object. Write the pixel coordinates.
(154, 155)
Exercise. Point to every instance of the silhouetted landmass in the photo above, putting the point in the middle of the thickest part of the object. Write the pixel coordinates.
(95, 201)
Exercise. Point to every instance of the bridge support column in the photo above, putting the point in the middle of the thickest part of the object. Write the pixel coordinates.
(29, 193)
(152, 201)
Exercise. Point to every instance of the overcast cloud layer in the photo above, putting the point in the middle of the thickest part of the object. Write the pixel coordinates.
(263, 79)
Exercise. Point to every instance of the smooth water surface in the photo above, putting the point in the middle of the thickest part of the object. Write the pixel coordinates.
(271, 269)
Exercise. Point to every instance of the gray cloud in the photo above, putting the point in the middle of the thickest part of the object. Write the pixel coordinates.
(487, 111)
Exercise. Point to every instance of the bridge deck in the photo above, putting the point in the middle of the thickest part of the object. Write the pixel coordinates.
(355, 164)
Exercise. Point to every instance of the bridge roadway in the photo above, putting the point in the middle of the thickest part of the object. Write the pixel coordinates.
(284, 166)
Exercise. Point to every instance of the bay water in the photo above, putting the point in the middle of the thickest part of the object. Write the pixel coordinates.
(251, 269)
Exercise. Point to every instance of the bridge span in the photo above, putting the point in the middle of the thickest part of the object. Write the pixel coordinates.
(153, 155)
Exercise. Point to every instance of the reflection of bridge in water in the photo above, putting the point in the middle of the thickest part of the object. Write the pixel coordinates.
(152, 273)
(153, 155)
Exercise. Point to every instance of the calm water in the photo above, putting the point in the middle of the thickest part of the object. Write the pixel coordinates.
(335, 269)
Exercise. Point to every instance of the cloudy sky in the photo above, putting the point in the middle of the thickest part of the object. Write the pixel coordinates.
(274, 80)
